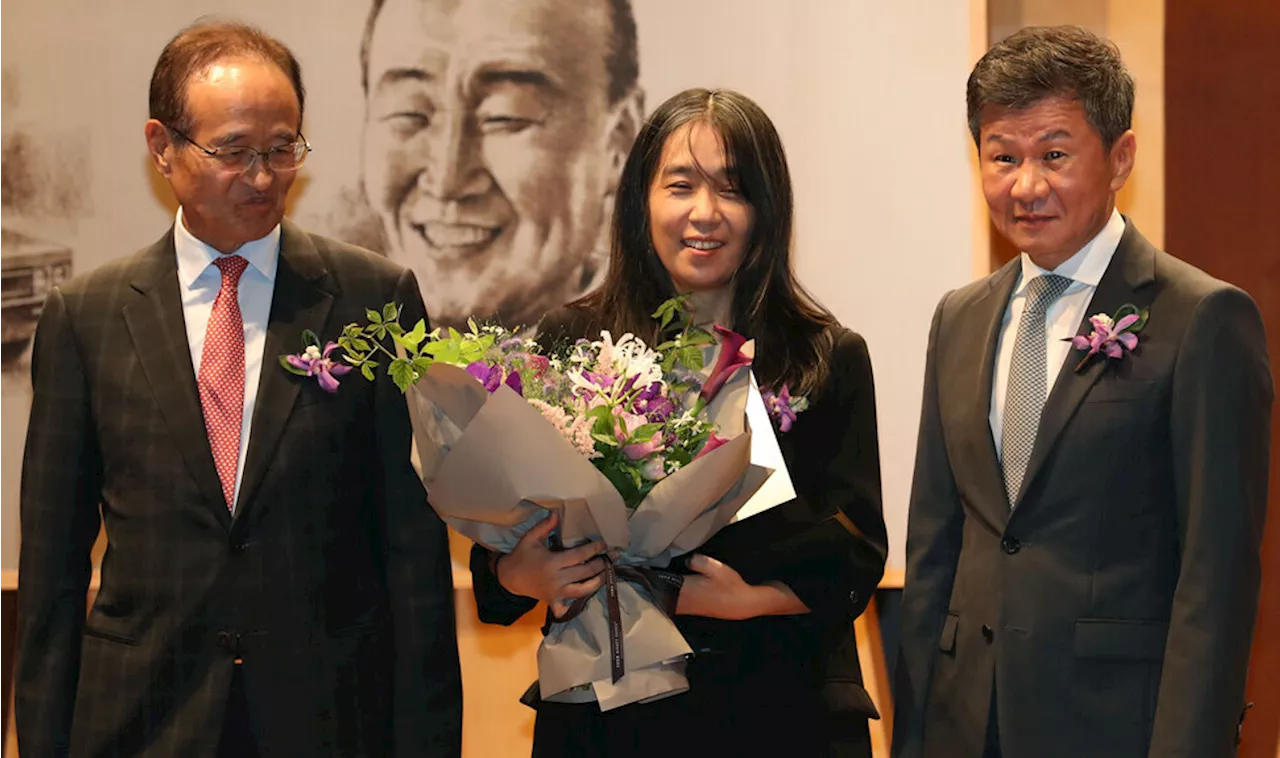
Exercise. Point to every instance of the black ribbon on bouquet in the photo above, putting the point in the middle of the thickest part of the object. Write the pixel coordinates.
(662, 585)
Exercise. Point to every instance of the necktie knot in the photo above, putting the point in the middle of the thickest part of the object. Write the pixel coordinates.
(1043, 290)
(231, 266)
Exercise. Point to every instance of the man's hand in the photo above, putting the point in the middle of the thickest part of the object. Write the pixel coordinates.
(717, 591)
(534, 570)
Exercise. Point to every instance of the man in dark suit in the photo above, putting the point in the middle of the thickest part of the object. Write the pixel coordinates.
(274, 580)
(1083, 545)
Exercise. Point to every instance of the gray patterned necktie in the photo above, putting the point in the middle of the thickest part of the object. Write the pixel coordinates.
(1028, 384)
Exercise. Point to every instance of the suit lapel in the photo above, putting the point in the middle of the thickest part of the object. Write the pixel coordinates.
(157, 326)
(302, 300)
(1132, 268)
(989, 313)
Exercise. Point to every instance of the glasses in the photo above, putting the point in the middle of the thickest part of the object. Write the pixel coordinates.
(241, 159)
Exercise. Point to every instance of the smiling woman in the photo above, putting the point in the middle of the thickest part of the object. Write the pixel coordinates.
(704, 209)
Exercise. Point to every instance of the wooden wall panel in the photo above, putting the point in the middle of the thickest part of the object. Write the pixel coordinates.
(1222, 165)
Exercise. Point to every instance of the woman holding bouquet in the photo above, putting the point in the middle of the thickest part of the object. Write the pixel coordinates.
(704, 209)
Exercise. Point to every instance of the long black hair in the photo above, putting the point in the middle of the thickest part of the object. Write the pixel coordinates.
(793, 333)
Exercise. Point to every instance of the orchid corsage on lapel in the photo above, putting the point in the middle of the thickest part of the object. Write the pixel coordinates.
(1112, 336)
(783, 407)
(316, 361)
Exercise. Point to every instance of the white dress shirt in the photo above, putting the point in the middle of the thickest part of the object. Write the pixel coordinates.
(200, 280)
(1085, 270)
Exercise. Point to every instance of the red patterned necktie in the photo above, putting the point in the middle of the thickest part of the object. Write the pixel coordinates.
(221, 377)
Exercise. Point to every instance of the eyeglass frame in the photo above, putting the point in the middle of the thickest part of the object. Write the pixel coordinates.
(265, 155)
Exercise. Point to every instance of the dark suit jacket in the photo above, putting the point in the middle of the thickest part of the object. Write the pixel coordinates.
(832, 454)
(332, 581)
(1113, 609)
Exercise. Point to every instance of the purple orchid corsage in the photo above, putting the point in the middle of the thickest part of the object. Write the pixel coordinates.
(1112, 336)
(783, 407)
(315, 362)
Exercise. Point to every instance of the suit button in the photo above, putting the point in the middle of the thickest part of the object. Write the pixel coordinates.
(854, 597)
(1010, 544)
(988, 633)
(238, 546)
(225, 641)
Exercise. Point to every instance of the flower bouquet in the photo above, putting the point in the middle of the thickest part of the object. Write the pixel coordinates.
(646, 448)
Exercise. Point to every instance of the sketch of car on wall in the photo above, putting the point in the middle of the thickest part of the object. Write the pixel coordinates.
(29, 268)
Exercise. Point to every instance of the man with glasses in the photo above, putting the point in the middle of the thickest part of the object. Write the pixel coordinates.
(274, 580)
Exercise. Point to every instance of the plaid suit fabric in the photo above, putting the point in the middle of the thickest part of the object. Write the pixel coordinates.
(332, 569)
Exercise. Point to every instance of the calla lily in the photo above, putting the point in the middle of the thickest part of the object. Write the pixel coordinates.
(713, 442)
(730, 358)
(317, 363)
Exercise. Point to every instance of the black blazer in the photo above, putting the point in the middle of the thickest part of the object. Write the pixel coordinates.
(332, 581)
(1112, 610)
(832, 453)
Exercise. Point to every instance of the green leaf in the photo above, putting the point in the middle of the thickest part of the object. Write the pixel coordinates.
(284, 361)
(361, 345)
(454, 336)
(421, 365)
(309, 338)
(395, 329)
(691, 357)
(607, 439)
(666, 319)
(699, 337)
(373, 316)
(669, 362)
(1138, 325)
(472, 323)
(390, 312)
(645, 431)
(367, 372)
(402, 373)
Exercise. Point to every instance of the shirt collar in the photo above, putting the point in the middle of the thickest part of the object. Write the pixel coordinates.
(195, 255)
(1089, 264)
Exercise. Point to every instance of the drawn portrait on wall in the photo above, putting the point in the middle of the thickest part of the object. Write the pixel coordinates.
(40, 181)
(493, 136)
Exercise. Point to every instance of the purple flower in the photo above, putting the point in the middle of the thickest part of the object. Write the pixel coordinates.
(489, 376)
(656, 406)
(1108, 337)
(493, 377)
(730, 359)
(779, 407)
(313, 362)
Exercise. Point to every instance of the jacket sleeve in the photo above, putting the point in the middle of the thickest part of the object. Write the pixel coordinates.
(828, 545)
(428, 681)
(1221, 431)
(494, 603)
(934, 533)
(61, 485)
